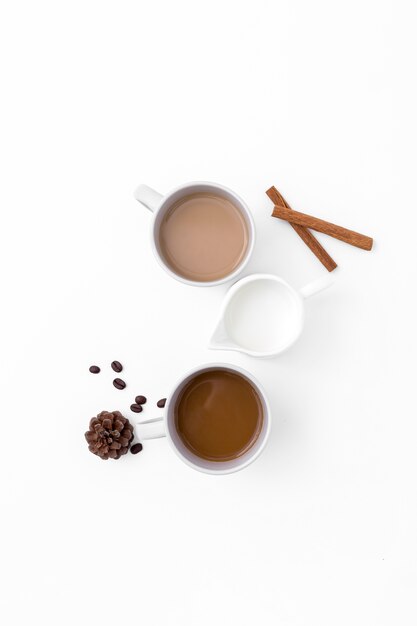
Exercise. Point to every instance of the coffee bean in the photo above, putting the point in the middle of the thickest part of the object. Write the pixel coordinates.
(94, 369)
(116, 366)
(161, 403)
(137, 447)
(119, 383)
(140, 400)
(136, 408)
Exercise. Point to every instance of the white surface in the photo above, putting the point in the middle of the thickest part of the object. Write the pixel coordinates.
(314, 97)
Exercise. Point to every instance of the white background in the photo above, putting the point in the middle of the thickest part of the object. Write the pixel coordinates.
(313, 97)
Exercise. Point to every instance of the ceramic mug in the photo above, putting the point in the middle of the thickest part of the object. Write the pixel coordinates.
(165, 426)
(159, 204)
(262, 315)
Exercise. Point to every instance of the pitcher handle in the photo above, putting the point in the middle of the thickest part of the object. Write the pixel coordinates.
(317, 285)
(148, 197)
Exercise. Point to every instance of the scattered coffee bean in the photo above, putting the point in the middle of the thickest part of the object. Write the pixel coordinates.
(94, 369)
(116, 366)
(136, 408)
(140, 400)
(137, 447)
(119, 383)
(161, 403)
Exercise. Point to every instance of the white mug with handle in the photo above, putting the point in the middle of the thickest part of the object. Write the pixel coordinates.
(165, 426)
(160, 204)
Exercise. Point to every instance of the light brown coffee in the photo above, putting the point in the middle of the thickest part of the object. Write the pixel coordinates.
(203, 237)
(218, 415)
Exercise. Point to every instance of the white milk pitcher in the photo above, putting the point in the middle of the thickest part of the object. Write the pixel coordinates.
(262, 315)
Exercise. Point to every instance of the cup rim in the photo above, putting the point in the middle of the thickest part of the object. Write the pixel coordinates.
(251, 243)
(267, 417)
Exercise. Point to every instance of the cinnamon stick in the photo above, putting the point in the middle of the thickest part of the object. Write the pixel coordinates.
(338, 232)
(308, 237)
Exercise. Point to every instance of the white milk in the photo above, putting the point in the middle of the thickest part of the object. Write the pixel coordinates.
(263, 316)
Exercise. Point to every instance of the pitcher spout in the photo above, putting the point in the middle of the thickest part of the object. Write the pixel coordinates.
(220, 340)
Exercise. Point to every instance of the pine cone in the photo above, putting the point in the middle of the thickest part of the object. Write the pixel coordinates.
(109, 435)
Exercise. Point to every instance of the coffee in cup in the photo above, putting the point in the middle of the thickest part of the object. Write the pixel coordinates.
(203, 237)
(218, 415)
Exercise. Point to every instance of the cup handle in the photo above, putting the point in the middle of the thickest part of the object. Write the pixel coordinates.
(148, 197)
(150, 429)
(317, 285)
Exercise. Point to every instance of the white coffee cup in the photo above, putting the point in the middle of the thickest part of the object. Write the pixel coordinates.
(165, 426)
(159, 204)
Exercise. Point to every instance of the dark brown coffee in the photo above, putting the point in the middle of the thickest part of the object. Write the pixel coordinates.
(218, 415)
(203, 237)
